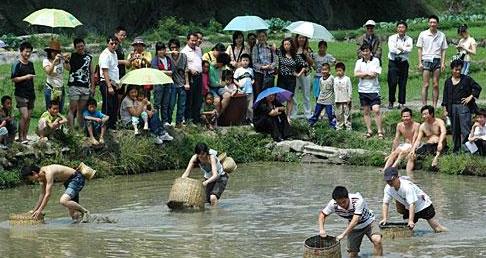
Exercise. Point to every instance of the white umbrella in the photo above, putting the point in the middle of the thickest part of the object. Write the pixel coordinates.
(53, 18)
(310, 30)
(246, 23)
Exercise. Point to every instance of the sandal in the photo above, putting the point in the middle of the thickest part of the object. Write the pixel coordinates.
(381, 136)
(368, 135)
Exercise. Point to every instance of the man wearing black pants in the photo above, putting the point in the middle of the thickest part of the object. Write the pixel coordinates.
(109, 76)
(399, 45)
(194, 66)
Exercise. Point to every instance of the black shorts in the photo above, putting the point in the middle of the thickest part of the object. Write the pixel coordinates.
(217, 187)
(429, 149)
(369, 99)
(426, 214)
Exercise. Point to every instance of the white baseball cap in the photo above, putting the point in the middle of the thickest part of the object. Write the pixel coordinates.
(369, 23)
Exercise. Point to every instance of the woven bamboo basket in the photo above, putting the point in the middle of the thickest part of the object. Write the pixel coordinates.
(228, 163)
(318, 246)
(25, 219)
(395, 230)
(87, 172)
(187, 193)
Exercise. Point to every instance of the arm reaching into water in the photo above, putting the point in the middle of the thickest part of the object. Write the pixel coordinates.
(322, 221)
(350, 227)
(189, 166)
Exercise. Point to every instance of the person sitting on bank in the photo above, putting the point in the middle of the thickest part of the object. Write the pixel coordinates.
(408, 129)
(435, 131)
(215, 179)
(209, 113)
(217, 82)
(269, 117)
(73, 181)
(95, 122)
(50, 122)
(478, 133)
(354, 208)
(411, 201)
(8, 121)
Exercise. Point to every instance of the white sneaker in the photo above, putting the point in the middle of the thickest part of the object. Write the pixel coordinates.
(158, 141)
(136, 132)
(166, 125)
(165, 137)
(145, 127)
(3, 147)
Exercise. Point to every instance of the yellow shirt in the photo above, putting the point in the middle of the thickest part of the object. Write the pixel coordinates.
(209, 56)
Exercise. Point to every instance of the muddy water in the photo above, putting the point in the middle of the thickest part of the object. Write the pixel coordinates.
(268, 210)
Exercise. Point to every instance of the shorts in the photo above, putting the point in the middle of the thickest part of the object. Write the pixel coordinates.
(74, 185)
(217, 187)
(426, 214)
(217, 91)
(78, 93)
(369, 99)
(355, 237)
(429, 149)
(431, 65)
(404, 146)
(25, 102)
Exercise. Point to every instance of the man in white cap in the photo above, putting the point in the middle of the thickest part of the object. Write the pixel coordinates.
(412, 202)
(371, 39)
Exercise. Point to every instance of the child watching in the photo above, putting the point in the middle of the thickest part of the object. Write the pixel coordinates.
(326, 97)
(50, 122)
(141, 100)
(229, 85)
(343, 91)
(478, 133)
(209, 114)
(244, 79)
(8, 122)
(95, 122)
(205, 77)
(320, 58)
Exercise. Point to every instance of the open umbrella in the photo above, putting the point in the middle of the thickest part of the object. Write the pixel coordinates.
(53, 18)
(146, 76)
(246, 23)
(310, 30)
(282, 95)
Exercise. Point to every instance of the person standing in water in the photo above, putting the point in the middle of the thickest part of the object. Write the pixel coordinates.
(215, 179)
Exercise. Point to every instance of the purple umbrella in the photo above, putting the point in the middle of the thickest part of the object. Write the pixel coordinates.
(281, 94)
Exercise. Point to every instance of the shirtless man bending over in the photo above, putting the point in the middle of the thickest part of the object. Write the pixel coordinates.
(435, 131)
(73, 182)
(408, 129)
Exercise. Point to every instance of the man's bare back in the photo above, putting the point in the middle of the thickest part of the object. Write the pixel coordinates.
(57, 173)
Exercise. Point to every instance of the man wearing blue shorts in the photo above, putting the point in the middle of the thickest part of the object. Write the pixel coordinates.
(73, 182)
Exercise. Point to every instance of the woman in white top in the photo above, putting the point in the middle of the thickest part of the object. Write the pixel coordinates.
(236, 49)
(465, 48)
(215, 179)
(478, 132)
(54, 66)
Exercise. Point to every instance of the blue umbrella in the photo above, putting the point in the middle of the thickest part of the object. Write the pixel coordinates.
(246, 23)
(282, 95)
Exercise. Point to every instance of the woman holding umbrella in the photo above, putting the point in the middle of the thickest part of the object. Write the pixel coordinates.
(269, 115)
(54, 66)
(290, 66)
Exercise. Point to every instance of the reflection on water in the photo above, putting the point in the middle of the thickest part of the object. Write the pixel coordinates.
(268, 210)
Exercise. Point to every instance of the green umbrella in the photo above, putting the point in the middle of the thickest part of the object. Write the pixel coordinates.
(146, 76)
(53, 18)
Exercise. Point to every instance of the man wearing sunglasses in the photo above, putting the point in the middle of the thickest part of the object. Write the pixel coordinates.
(370, 38)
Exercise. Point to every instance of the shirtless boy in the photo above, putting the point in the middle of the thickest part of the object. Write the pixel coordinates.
(435, 131)
(408, 129)
(73, 182)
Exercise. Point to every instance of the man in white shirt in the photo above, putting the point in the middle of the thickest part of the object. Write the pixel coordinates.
(412, 202)
(432, 45)
(361, 220)
(109, 80)
(399, 47)
(194, 65)
(367, 69)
